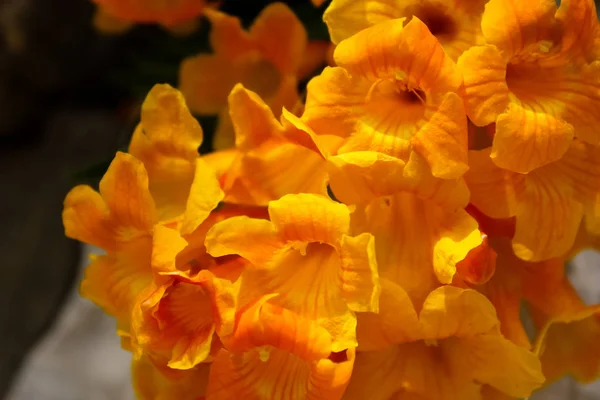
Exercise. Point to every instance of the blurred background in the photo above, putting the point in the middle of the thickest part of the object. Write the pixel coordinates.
(69, 99)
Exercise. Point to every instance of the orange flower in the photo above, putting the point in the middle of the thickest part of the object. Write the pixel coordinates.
(395, 94)
(265, 165)
(421, 229)
(144, 206)
(266, 59)
(114, 16)
(276, 354)
(461, 349)
(538, 79)
(455, 23)
(548, 203)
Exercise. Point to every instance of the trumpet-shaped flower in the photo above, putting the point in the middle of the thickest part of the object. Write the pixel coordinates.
(265, 165)
(460, 350)
(455, 24)
(537, 79)
(276, 354)
(306, 256)
(136, 198)
(394, 92)
(421, 229)
(553, 199)
(266, 59)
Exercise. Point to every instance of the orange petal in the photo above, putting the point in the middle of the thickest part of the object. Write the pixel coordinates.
(527, 139)
(512, 29)
(443, 139)
(282, 376)
(485, 91)
(580, 21)
(87, 219)
(254, 239)
(280, 36)
(309, 218)
(124, 188)
(479, 265)
(151, 382)
(227, 37)
(167, 243)
(390, 49)
(205, 81)
(107, 23)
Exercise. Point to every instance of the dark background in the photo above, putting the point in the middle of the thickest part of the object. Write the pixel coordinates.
(69, 99)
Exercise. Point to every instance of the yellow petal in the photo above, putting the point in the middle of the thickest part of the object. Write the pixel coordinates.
(124, 189)
(498, 362)
(167, 243)
(309, 218)
(494, 191)
(396, 322)
(390, 48)
(451, 311)
(280, 36)
(485, 91)
(254, 239)
(527, 139)
(227, 37)
(514, 28)
(151, 382)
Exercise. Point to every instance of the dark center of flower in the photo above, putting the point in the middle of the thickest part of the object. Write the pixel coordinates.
(440, 24)
(338, 357)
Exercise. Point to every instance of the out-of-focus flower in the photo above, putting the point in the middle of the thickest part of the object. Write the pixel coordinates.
(394, 93)
(537, 79)
(553, 198)
(266, 59)
(113, 16)
(455, 24)
(460, 350)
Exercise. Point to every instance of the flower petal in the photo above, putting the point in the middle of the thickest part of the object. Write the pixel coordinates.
(253, 239)
(498, 362)
(580, 19)
(124, 189)
(485, 90)
(86, 218)
(167, 243)
(527, 139)
(359, 276)
(451, 311)
(514, 26)
(390, 48)
(227, 36)
(309, 218)
(280, 36)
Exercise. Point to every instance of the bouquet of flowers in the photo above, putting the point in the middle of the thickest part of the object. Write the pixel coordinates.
(380, 238)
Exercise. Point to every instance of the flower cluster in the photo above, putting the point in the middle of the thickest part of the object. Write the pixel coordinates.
(379, 240)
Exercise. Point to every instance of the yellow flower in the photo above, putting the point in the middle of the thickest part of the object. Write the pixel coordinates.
(305, 255)
(394, 92)
(266, 59)
(537, 79)
(114, 16)
(169, 189)
(420, 226)
(460, 350)
(548, 203)
(265, 165)
(455, 23)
